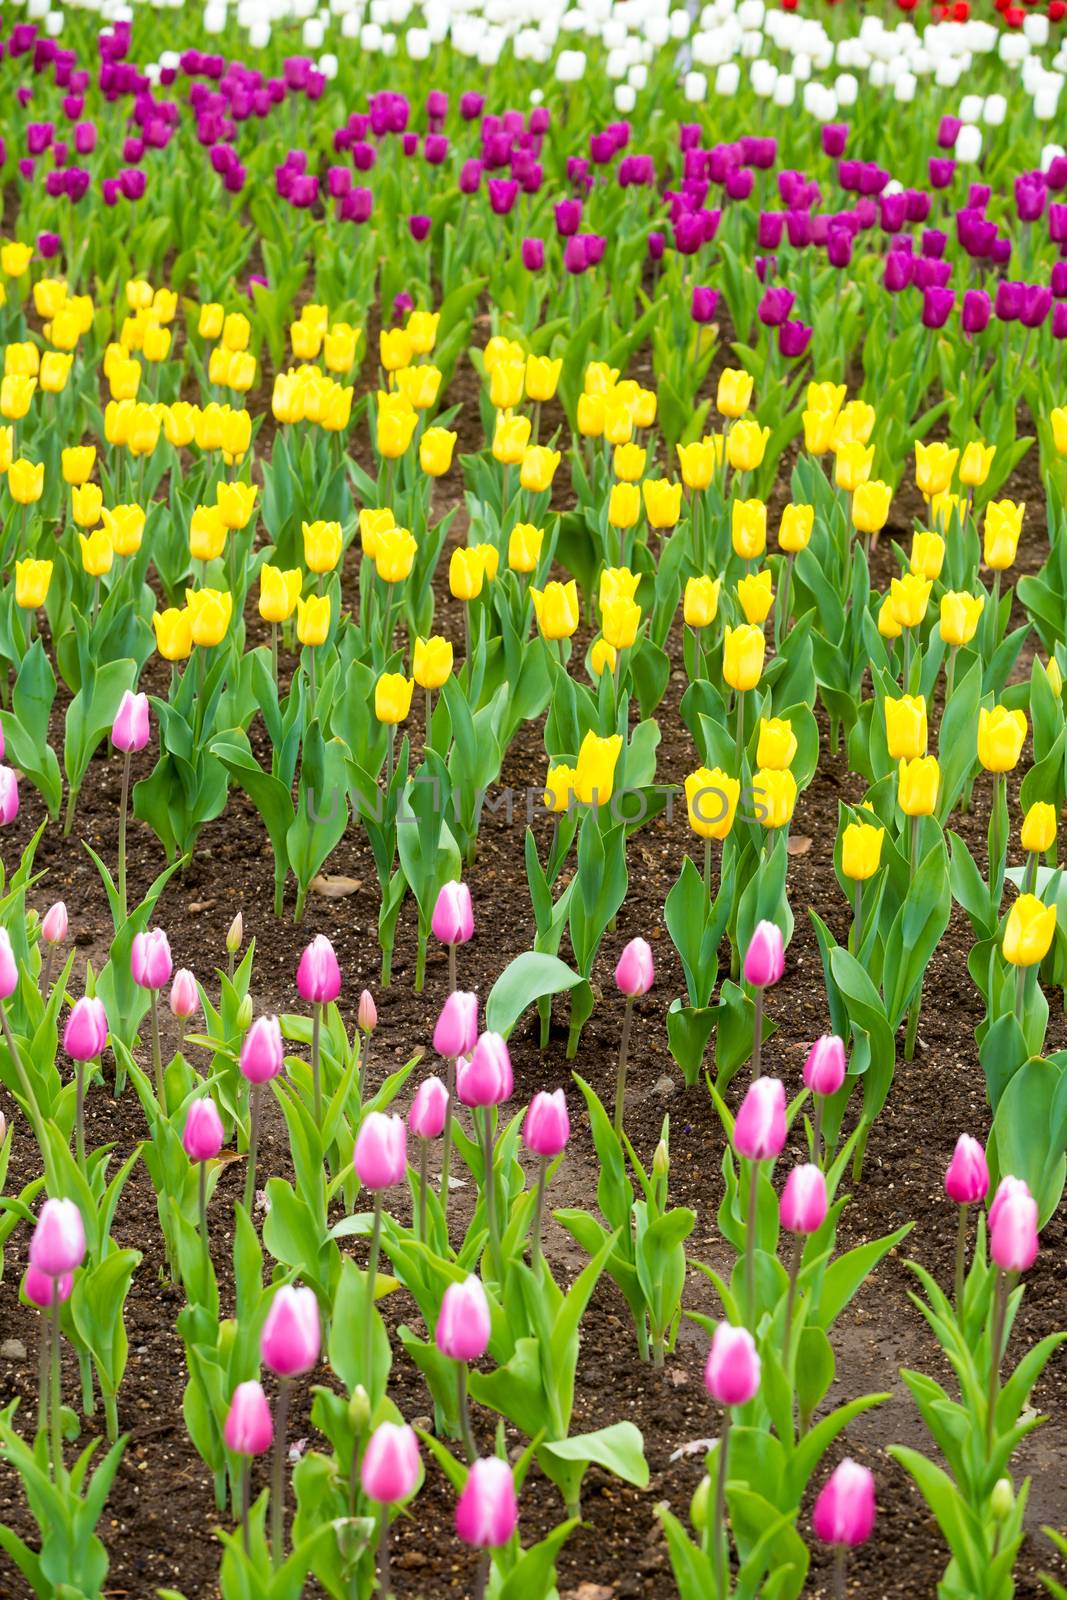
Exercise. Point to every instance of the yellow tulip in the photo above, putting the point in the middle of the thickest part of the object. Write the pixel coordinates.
(826, 398)
(624, 505)
(734, 393)
(1001, 736)
(748, 528)
(490, 559)
(339, 347)
(538, 468)
(559, 788)
(542, 376)
(236, 435)
(700, 603)
(236, 331)
(663, 502)
(975, 463)
(870, 506)
(15, 259)
(742, 657)
(524, 547)
(506, 384)
(644, 408)
(156, 343)
(594, 776)
(621, 618)
(432, 664)
(600, 378)
(1029, 931)
(909, 597)
(818, 432)
(466, 574)
(1039, 828)
(31, 583)
(124, 380)
(942, 507)
(602, 655)
(138, 293)
(174, 633)
(556, 608)
(313, 620)
(1054, 676)
(1002, 527)
(888, 626)
(209, 322)
(854, 424)
(777, 743)
(927, 555)
(7, 448)
(774, 797)
(322, 545)
(392, 697)
(629, 462)
(510, 438)
(618, 421)
(1059, 429)
(16, 392)
(960, 614)
(794, 532)
(118, 414)
(905, 726)
(852, 466)
(394, 554)
(711, 799)
(210, 611)
(591, 415)
(419, 385)
(435, 451)
(306, 340)
(207, 534)
(422, 331)
(278, 592)
(745, 445)
(55, 370)
(87, 502)
(98, 553)
(934, 465)
(697, 464)
(22, 360)
(236, 502)
(861, 850)
(372, 524)
(124, 526)
(394, 349)
(394, 430)
(917, 785)
(25, 481)
(756, 595)
(179, 424)
(143, 432)
(48, 296)
(78, 463)
(207, 427)
(617, 583)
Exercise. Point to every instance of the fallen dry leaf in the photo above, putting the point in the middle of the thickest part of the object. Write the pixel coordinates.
(334, 886)
(798, 844)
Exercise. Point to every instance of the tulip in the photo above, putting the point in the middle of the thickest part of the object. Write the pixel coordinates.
(960, 615)
(485, 1080)
(9, 796)
(381, 1151)
(777, 744)
(743, 653)
(745, 444)
(42, 1291)
(318, 982)
(1001, 734)
(524, 547)
(289, 1345)
(392, 698)
(843, 1515)
(278, 594)
(975, 463)
(748, 529)
(760, 1130)
(594, 777)
(210, 611)
(457, 1026)
(663, 502)
(54, 927)
(700, 604)
(389, 1471)
(1038, 834)
(734, 394)
(756, 595)
(32, 580)
(452, 922)
(84, 1039)
(775, 796)
(174, 633)
(804, 1203)
(697, 462)
(966, 1182)
(1029, 932)
(248, 1429)
(1013, 1246)
(57, 1249)
(487, 1510)
(905, 727)
(1002, 528)
(934, 466)
(262, 1058)
(431, 668)
(732, 1378)
(917, 786)
(711, 800)
(427, 1118)
(184, 995)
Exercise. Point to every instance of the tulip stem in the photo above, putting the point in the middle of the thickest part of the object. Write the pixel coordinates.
(253, 1148)
(316, 1053)
(950, 673)
(79, 1117)
(840, 1586)
(1000, 1307)
(790, 1301)
(372, 1277)
(757, 1035)
(46, 973)
(157, 1053)
(816, 1138)
(620, 1073)
(466, 1431)
(44, 1356)
(451, 969)
(718, 1521)
(857, 918)
(961, 1257)
(446, 1154)
(490, 1194)
(750, 1244)
(363, 1063)
(424, 1157)
(246, 1504)
(56, 1396)
(274, 652)
(277, 1476)
(539, 1212)
(202, 1214)
(1020, 994)
(123, 805)
(429, 718)
(481, 1579)
(385, 1582)
(913, 1011)
(740, 729)
(32, 1110)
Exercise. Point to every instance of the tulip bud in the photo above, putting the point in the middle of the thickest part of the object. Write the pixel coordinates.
(804, 1204)
(760, 1131)
(1002, 1500)
(661, 1161)
(54, 924)
(249, 1428)
(130, 730)
(463, 1326)
(485, 1079)
(318, 977)
(40, 1290)
(487, 1510)
(380, 1156)
(359, 1412)
(203, 1136)
(85, 1034)
(453, 916)
(262, 1055)
(389, 1471)
(9, 972)
(150, 959)
(292, 1336)
(58, 1242)
(367, 1015)
(967, 1178)
(184, 995)
(698, 1506)
(1013, 1241)
(844, 1511)
(457, 1026)
(732, 1372)
(235, 934)
(635, 972)
(824, 1070)
(426, 1119)
(765, 956)
(546, 1126)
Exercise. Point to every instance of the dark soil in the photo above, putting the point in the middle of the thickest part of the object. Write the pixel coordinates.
(158, 1523)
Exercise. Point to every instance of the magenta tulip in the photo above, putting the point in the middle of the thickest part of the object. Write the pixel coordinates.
(732, 1372)
(765, 956)
(635, 971)
(546, 1126)
(457, 1027)
(203, 1135)
(85, 1034)
(426, 1119)
(150, 959)
(130, 731)
(318, 977)
(389, 1471)
(262, 1055)
(967, 1178)
(486, 1078)
(58, 1243)
(844, 1511)
(248, 1429)
(453, 916)
(381, 1151)
(760, 1130)
(292, 1335)
(487, 1511)
(463, 1326)
(804, 1203)
(41, 1290)
(1007, 1188)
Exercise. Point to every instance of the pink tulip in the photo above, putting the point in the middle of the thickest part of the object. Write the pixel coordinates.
(804, 1205)
(389, 1471)
(635, 972)
(486, 1079)
(457, 1026)
(546, 1126)
(318, 977)
(150, 959)
(759, 1132)
(203, 1135)
(487, 1510)
(426, 1119)
(249, 1428)
(381, 1151)
(967, 1178)
(9, 972)
(54, 924)
(184, 995)
(58, 1242)
(1013, 1233)
(844, 1511)
(765, 956)
(292, 1336)
(824, 1070)
(732, 1373)
(367, 1015)
(9, 796)
(40, 1289)
(453, 916)
(85, 1035)
(463, 1327)
(3, 743)
(1006, 1189)
(129, 731)
(262, 1056)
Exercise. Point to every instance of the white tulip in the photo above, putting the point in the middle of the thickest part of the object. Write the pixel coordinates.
(785, 89)
(1051, 153)
(968, 145)
(846, 88)
(763, 77)
(312, 34)
(695, 87)
(1035, 27)
(570, 66)
(625, 98)
(638, 76)
(727, 79)
(417, 44)
(905, 87)
(971, 108)
(996, 109)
